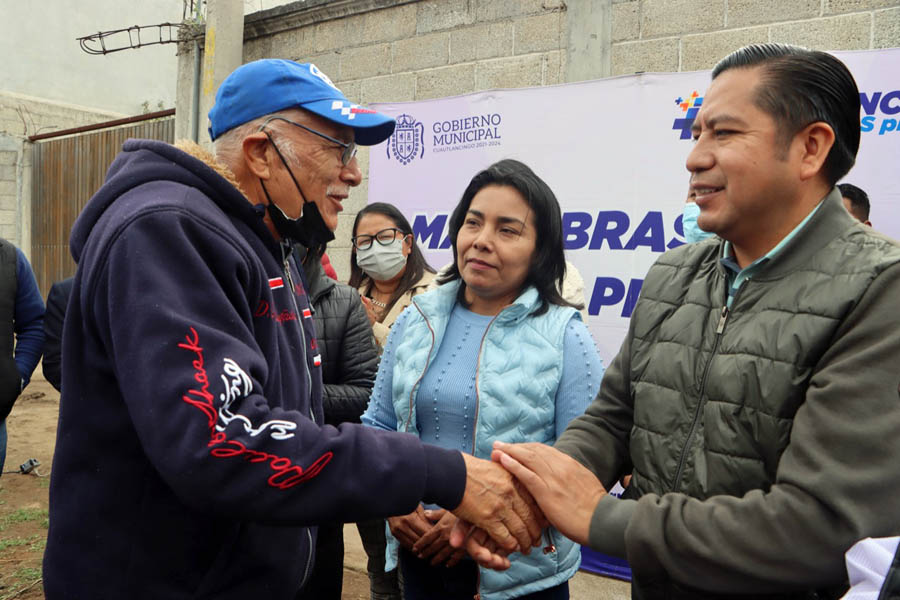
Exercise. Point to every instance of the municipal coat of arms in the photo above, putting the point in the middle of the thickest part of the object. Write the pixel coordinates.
(408, 140)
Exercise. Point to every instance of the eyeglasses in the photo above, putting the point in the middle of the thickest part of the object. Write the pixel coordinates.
(384, 237)
(346, 155)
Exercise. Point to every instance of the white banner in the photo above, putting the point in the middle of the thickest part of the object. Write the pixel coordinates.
(613, 152)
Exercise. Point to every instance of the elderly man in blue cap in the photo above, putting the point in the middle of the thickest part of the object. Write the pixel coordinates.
(191, 459)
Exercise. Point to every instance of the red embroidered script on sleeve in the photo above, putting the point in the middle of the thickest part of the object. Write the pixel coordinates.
(286, 473)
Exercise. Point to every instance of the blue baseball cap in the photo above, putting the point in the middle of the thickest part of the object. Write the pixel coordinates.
(267, 86)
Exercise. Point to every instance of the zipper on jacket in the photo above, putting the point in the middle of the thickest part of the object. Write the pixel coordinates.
(292, 293)
(412, 392)
(478, 368)
(308, 558)
(720, 327)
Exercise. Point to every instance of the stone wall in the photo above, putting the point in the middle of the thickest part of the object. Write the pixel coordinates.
(22, 116)
(691, 35)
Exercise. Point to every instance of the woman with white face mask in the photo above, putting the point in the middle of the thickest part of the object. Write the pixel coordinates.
(692, 231)
(386, 265)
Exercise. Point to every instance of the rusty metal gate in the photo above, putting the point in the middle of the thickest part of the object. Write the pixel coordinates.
(68, 167)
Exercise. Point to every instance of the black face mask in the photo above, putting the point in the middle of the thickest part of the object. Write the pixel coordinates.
(310, 229)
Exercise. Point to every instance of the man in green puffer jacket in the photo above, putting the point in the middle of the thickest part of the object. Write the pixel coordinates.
(755, 397)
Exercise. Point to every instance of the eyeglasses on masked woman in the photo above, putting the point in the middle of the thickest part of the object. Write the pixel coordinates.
(383, 237)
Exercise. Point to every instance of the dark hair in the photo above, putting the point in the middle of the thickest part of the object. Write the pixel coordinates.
(800, 87)
(548, 265)
(859, 200)
(416, 265)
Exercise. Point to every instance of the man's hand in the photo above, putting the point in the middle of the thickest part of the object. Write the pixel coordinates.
(436, 542)
(494, 502)
(564, 489)
(409, 528)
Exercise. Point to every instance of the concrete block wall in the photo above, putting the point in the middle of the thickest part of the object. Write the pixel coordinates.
(690, 35)
(420, 50)
(22, 116)
(11, 164)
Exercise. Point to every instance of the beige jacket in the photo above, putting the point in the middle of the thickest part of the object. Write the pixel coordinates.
(383, 327)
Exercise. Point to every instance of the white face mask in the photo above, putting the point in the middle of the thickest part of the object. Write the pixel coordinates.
(692, 231)
(382, 263)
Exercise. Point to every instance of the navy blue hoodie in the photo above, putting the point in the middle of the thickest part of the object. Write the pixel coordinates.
(190, 460)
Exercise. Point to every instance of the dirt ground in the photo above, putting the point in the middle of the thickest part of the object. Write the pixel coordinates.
(24, 500)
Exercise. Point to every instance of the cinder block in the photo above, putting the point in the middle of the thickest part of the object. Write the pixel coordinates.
(513, 72)
(9, 202)
(293, 43)
(358, 195)
(340, 260)
(626, 21)
(652, 55)
(554, 70)
(7, 217)
(391, 88)
(367, 61)
(887, 29)
(481, 41)
(421, 52)
(670, 17)
(351, 89)
(9, 233)
(8, 172)
(445, 81)
(8, 188)
(703, 51)
(848, 32)
(844, 6)
(387, 25)
(395, 23)
(336, 33)
(435, 15)
(537, 34)
(329, 63)
(492, 10)
(752, 12)
(362, 158)
(8, 158)
(344, 232)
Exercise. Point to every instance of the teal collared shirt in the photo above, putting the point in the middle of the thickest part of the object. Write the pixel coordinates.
(738, 276)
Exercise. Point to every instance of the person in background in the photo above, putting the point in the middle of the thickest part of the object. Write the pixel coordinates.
(57, 299)
(349, 363)
(386, 265)
(692, 232)
(493, 353)
(388, 269)
(856, 201)
(327, 267)
(21, 331)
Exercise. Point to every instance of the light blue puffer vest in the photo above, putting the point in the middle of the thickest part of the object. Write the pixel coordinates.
(519, 369)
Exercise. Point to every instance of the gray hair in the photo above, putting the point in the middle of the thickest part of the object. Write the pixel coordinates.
(228, 147)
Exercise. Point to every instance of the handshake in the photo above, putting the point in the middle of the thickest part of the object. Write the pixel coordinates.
(507, 503)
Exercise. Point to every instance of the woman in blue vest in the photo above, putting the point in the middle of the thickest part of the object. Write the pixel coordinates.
(494, 353)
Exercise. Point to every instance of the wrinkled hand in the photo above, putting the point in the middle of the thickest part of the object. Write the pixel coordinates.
(370, 309)
(409, 528)
(436, 541)
(553, 478)
(500, 506)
